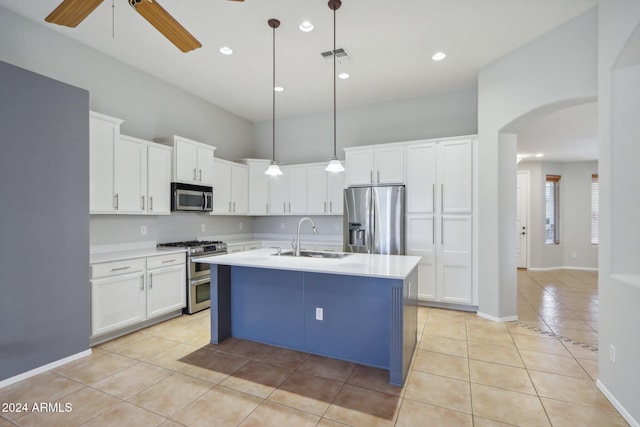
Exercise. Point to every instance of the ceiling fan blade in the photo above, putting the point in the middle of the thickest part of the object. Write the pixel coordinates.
(166, 24)
(72, 12)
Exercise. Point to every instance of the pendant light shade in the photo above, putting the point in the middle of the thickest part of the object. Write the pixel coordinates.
(273, 169)
(334, 164)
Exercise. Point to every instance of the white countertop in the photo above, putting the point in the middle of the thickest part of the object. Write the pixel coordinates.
(384, 266)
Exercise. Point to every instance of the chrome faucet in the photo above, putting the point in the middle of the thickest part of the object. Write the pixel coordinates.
(296, 242)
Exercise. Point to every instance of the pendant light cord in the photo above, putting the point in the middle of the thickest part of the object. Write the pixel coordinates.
(273, 96)
(334, 83)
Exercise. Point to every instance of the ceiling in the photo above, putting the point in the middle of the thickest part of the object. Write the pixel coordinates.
(390, 44)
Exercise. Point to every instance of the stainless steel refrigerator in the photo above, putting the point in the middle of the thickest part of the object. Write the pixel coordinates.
(374, 220)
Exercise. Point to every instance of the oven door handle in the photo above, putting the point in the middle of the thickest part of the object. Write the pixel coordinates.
(202, 281)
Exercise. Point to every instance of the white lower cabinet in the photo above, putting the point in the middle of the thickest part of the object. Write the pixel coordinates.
(444, 243)
(129, 292)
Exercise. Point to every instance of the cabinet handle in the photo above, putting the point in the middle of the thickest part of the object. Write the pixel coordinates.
(200, 175)
(141, 283)
(378, 177)
(433, 232)
(142, 198)
(289, 207)
(371, 177)
(229, 207)
(150, 203)
(325, 207)
(194, 174)
(331, 206)
(442, 230)
(115, 201)
(266, 208)
(150, 281)
(120, 268)
(168, 261)
(234, 207)
(284, 207)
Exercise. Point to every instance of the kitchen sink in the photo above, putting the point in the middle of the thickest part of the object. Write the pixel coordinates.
(317, 254)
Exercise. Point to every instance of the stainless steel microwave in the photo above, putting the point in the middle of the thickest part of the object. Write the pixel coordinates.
(189, 197)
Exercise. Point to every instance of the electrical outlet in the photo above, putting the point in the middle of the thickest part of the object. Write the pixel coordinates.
(612, 353)
(240, 226)
(319, 313)
(143, 230)
(203, 227)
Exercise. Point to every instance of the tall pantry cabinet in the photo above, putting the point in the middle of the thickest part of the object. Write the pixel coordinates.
(440, 204)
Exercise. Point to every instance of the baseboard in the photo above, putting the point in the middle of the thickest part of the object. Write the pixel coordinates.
(497, 319)
(47, 367)
(561, 268)
(625, 414)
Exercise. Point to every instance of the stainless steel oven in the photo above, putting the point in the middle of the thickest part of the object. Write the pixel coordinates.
(198, 279)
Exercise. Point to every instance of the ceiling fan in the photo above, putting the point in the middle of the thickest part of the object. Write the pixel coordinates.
(72, 12)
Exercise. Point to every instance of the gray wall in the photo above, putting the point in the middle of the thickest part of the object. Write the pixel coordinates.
(575, 217)
(309, 138)
(44, 227)
(619, 272)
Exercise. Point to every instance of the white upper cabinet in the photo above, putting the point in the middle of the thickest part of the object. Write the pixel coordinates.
(288, 192)
(258, 186)
(130, 173)
(375, 165)
(159, 179)
(324, 191)
(456, 176)
(421, 177)
(104, 132)
(192, 160)
(230, 188)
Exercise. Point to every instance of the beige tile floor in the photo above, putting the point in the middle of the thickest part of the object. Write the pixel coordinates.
(467, 371)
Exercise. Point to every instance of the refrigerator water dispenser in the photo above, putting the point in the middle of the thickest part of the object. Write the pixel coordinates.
(356, 234)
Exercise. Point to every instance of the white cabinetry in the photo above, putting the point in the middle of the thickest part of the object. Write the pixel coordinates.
(230, 188)
(130, 175)
(130, 292)
(104, 132)
(192, 160)
(241, 247)
(258, 186)
(159, 179)
(288, 192)
(440, 218)
(324, 191)
(382, 164)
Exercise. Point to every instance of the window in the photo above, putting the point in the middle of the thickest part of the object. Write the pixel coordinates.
(595, 202)
(552, 211)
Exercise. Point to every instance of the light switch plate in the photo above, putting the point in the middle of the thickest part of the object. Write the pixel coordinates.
(319, 313)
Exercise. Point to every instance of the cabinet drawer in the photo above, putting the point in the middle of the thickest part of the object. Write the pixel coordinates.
(166, 260)
(253, 245)
(115, 268)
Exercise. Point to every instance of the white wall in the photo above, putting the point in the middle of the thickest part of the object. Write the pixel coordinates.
(309, 138)
(150, 108)
(552, 72)
(575, 215)
(619, 278)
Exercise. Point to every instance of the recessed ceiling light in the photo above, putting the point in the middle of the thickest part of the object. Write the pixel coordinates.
(306, 26)
(343, 76)
(225, 50)
(539, 155)
(278, 88)
(439, 56)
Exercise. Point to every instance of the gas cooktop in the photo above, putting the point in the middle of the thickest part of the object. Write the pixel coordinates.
(197, 247)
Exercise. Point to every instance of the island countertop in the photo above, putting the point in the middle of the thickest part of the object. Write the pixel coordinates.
(367, 265)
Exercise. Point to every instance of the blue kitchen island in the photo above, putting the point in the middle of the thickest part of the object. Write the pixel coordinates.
(361, 308)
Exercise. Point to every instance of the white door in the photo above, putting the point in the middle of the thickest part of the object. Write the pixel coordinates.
(521, 218)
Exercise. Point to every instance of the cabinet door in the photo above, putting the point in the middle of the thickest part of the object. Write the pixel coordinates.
(186, 161)
(456, 172)
(359, 167)
(130, 176)
(221, 188)
(117, 302)
(317, 199)
(279, 193)
(102, 138)
(297, 191)
(159, 180)
(258, 188)
(388, 165)
(205, 164)
(240, 189)
(166, 290)
(421, 242)
(335, 190)
(421, 178)
(454, 259)
(235, 247)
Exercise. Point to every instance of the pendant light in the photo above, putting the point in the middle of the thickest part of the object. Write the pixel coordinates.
(334, 164)
(273, 169)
